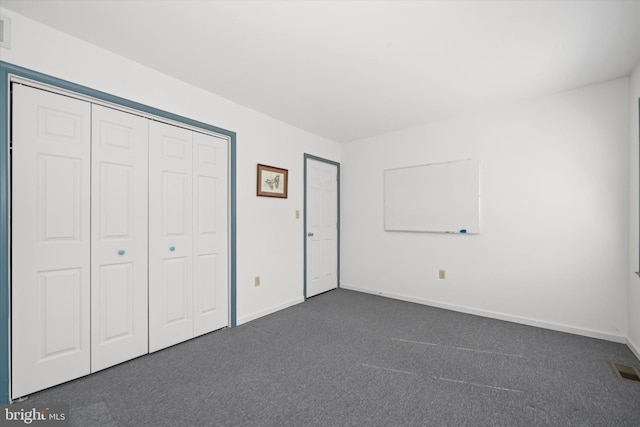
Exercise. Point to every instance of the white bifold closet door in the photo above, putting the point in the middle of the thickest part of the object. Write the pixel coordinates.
(119, 221)
(187, 234)
(51, 166)
(119, 237)
(170, 236)
(210, 224)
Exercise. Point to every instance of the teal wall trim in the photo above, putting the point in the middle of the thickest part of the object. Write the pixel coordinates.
(4, 235)
(7, 70)
(319, 159)
(233, 233)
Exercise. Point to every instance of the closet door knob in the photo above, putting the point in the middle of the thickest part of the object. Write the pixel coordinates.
(172, 248)
(121, 252)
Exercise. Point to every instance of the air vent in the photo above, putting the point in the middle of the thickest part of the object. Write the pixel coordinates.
(626, 372)
(5, 32)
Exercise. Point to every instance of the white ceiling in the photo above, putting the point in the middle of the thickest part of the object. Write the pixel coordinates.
(350, 69)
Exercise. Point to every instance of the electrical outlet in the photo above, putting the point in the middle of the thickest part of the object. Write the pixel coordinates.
(442, 274)
(256, 281)
(297, 214)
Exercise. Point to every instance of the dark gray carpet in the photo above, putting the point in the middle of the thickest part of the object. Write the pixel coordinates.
(350, 359)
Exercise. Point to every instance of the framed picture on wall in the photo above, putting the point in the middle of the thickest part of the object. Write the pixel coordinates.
(272, 181)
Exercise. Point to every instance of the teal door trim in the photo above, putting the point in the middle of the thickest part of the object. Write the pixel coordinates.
(319, 159)
(6, 71)
(638, 272)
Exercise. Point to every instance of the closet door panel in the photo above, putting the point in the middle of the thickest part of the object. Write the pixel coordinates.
(50, 291)
(210, 244)
(170, 235)
(176, 307)
(119, 237)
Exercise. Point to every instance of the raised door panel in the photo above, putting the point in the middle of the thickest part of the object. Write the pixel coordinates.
(170, 235)
(59, 312)
(50, 282)
(119, 237)
(176, 306)
(210, 218)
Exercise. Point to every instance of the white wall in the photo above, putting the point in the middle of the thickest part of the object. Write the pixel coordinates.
(634, 280)
(554, 185)
(269, 238)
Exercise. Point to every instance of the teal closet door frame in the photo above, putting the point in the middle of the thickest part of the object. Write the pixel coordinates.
(6, 71)
(638, 272)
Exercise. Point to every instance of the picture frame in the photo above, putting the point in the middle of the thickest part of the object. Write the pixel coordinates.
(272, 181)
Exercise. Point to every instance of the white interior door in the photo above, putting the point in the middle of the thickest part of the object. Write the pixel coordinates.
(50, 324)
(119, 318)
(170, 235)
(322, 227)
(210, 275)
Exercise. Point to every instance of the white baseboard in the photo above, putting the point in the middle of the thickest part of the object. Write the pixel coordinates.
(635, 349)
(269, 310)
(501, 316)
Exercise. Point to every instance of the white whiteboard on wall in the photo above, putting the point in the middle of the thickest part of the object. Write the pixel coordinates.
(439, 198)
